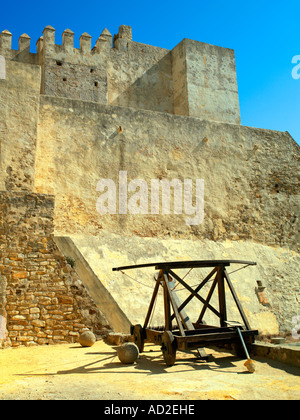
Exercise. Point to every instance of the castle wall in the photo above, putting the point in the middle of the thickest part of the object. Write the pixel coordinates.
(250, 175)
(2, 67)
(212, 82)
(23, 54)
(72, 72)
(41, 298)
(141, 78)
(139, 75)
(73, 116)
(130, 74)
(179, 72)
(194, 79)
(206, 76)
(19, 104)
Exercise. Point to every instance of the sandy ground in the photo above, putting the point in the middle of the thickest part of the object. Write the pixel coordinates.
(69, 372)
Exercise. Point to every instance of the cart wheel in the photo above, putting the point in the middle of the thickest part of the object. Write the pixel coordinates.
(138, 335)
(168, 348)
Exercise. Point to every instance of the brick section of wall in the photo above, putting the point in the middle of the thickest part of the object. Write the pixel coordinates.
(41, 296)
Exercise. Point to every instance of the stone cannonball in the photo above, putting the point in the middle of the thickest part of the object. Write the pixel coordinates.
(87, 339)
(128, 353)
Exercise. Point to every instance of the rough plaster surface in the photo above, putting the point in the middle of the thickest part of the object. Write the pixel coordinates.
(250, 175)
(2, 67)
(133, 296)
(205, 75)
(19, 104)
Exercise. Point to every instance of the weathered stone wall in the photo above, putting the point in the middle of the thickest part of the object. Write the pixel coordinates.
(130, 74)
(194, 79)
(71, 72)
(141, 78)
(22, 54)
(250, 175)
(63, 142)
(179, 71)
(41, 297)
(205, 83)
(2, 67)
(19, 105)
(211, 82)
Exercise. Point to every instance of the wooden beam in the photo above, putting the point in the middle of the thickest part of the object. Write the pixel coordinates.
(174, 306)
(168, 321)
(203, 283)
(158, 280)
(193, 292)
(183, 315)
(210, 293)
(236, 299)
(222, 297)
(184, 264)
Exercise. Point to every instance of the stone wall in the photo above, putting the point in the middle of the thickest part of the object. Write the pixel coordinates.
(194, 79)
(70, 117)
(141, 78)
(72, 72)
(130, 74)
(41, 297)
(250, 175)
(205, 83)
(212, 89)
(2, 67)
(179, 71)
(19, 104)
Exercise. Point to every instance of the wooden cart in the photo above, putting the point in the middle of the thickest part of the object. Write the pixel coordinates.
(187, 335)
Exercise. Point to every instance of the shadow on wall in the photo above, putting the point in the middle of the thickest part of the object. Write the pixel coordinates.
(152, 91)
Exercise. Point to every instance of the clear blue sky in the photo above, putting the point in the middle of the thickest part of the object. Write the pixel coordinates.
(264, 34)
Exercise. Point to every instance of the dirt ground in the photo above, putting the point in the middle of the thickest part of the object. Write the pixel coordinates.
(69, 372)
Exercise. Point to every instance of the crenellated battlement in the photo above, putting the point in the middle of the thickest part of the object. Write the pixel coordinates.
(47, 41)
(115, 70)
(6, 44)
(96, 71)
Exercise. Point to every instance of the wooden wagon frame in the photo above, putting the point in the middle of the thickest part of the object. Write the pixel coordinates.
(189, 335)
